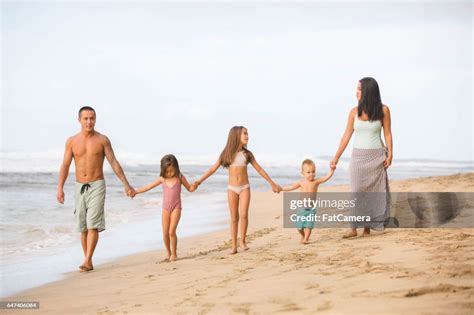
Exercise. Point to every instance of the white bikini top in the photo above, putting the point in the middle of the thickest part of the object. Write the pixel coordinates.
(239, 159)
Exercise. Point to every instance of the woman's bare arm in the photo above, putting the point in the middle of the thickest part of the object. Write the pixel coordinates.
(346, 137)
(387, 132)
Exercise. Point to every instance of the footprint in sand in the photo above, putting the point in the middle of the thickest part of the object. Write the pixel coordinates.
(378, 267)
(150, 277)
(442, 287)
(463, 236)
(324, 291)
(244, 308)
(286, 304)
(326, 305)
(290, 307)
(311, 286)
(363, 294)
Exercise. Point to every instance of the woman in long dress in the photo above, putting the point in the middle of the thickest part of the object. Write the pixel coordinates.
(370, 156)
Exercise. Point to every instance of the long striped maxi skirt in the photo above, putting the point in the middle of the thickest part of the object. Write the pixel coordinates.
(369, 184)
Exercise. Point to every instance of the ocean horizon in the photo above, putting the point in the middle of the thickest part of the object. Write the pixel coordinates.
(50, 160)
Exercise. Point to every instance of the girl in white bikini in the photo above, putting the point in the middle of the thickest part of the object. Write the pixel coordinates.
(235, 157)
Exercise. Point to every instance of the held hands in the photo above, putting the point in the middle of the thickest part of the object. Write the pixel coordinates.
(130, 191)
(276, 188)
(195, 185)
(333, 163)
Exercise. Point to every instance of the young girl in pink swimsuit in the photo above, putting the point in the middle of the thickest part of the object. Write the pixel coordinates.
(172, 179)
(236, 157)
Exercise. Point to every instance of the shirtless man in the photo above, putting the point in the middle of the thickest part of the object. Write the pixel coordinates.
(88, 148)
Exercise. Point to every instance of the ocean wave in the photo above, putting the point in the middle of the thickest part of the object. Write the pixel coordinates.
(142, 163)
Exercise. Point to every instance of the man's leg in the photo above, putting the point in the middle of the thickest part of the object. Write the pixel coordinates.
(95, 220)
(80, 212)
(84, 242)
(92, 239)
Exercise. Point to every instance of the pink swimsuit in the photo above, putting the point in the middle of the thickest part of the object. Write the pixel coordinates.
(172, 196)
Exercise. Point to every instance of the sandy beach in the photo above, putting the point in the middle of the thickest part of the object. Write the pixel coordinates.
(409, 271)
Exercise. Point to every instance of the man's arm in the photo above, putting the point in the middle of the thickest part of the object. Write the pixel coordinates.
(64, 170)
(110, 155)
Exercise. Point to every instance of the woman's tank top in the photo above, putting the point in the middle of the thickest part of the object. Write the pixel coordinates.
(367, 134)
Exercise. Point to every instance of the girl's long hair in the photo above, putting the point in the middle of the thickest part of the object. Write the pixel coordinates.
(232, 146)
(169, 160)
(370, 101)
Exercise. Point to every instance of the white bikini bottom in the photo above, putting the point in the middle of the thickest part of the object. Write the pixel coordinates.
(238, 189)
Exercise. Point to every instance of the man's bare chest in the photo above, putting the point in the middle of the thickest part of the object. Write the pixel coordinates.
(87, 149)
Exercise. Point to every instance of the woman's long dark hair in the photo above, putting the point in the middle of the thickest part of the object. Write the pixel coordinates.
(169, 160)
(370, 101)
(230, 150)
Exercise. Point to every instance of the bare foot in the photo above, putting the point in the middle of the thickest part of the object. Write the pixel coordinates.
(173, 258)
(234, 251)
(244, 246)
(366, 232)
(302, 239)
(86, 268)
(351, 233)
(306, 242)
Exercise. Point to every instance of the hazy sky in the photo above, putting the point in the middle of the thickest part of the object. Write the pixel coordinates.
(174, 77)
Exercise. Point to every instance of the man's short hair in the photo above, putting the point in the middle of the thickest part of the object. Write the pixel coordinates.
(85, 108)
